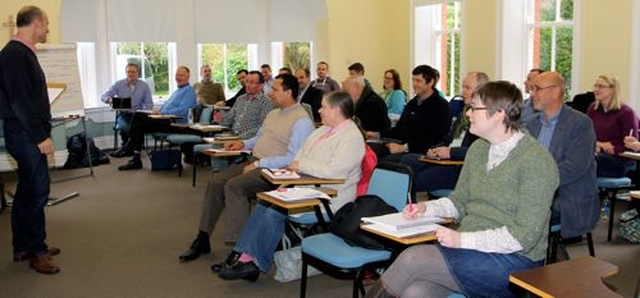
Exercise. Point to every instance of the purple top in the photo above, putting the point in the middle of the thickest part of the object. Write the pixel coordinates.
(613, 126)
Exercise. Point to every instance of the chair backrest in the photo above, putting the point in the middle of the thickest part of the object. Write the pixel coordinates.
(392, 183)
(206, 115)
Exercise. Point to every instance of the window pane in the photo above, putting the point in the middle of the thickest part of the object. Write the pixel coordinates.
(236, 60)
(547, 10)
(566, 10)
(296, 55)
(225, 60)
(152, 59)
(564, 50)
(453, 67)
(542, 51)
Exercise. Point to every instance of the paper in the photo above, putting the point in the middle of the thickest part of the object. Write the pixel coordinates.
(208, 126)
(412, 231)
(397, 221)
(297, 194)
(223, 151)
(281, 174)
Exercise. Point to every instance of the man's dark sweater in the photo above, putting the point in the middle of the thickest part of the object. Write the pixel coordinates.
(23, 91)
(372, 111)
(422, 125)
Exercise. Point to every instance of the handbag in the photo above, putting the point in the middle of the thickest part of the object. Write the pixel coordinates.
(165, 159)
(289, 263)
(346, 221)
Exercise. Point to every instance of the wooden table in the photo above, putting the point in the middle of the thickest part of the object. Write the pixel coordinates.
(296, 204)
(213, 152)
(630, 155)
(576, 278)
(160, 116)
(442, 162)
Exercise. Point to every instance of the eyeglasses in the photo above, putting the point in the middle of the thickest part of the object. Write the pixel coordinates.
(475, 108)
(538, 88)
(601, 86)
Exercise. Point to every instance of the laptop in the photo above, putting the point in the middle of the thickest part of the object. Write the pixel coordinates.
(121, 103)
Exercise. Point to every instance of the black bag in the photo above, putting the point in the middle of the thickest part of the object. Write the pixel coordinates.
(77, 148)
(164, 159)
(346, 221)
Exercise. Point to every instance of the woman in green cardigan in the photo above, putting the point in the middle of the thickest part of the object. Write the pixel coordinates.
(502, 203)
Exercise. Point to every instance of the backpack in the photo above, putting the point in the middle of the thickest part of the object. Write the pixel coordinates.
(77, 148)
(346, 221)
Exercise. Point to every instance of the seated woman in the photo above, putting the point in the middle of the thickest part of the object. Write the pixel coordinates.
(430, 177)
(392, 93)
(612, 121)
(502, 203)
(334, 150)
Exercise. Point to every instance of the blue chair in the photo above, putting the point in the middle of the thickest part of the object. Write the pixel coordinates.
(441, 193)
(609, 188)
(179, 139)
(332, 255)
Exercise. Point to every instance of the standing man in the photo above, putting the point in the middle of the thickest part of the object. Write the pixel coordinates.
(140, 95)
(25, 109)
(570, 137)
(308, 94)
(324, 82)
(207, 91)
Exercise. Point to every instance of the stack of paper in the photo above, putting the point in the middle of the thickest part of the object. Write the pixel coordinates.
(281, 174)
(397, 221)
(297, 194)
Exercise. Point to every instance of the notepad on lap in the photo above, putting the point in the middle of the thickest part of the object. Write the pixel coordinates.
(396, 221)
(412, 231)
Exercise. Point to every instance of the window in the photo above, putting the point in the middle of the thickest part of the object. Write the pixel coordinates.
(226, 60)
(290, 54)
(550, 28)
(156, 61)
(437, 41)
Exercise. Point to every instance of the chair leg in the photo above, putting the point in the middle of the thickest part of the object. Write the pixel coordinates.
(303, 280)
(555, 241)
(357, 283)
(195, 166)
(592, 251)
(612, 205)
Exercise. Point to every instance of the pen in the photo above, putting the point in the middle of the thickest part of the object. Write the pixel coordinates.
(631, 132)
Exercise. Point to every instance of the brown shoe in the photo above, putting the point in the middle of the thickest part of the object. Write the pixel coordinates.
(43, 264)
(23, 256)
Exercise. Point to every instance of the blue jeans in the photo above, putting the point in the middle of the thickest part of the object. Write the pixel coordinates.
(261, 235)
(430, 177)
(611, 166)
(32, 192)
(123, 124)
(489, 275)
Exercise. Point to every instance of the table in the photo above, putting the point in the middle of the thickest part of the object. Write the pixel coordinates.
(297, 204)
(577, 278)
(630, 155)
(159, 116)
(307, 180)
(214, 153)
(442, 162)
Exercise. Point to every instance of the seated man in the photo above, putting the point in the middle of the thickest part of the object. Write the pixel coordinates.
(324, 82)
(140, 95)
(430, 177)
(424, 123)
(284, 131)
(240, 76)
(207, 91)
(528, 110)
(370, 108)
(245, 117)
(570, 137)
(308, 94)
(179, 104)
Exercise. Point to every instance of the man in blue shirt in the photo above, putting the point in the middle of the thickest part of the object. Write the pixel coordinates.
(178, 104)
(129, 87)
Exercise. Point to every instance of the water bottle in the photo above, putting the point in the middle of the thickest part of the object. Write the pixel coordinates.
(190, 117)
(605, 210)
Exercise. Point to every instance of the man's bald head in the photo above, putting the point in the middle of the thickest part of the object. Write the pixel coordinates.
(547, 92)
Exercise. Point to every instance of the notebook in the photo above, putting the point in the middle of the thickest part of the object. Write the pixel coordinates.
(121, 103)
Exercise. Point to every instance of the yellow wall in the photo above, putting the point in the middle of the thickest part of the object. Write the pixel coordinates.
(606, 43)
(51, 7)
(373, 32)
(480, 20)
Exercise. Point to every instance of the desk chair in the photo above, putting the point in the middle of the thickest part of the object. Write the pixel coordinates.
(609, 188)
(555, 239)
(332, 255)
(205, 115)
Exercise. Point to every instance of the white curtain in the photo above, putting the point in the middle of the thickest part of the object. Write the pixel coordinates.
(142, 20)
(78, 20)
(224, 21)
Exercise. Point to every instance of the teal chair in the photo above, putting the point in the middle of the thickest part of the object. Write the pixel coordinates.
(333, 256)
(205, 116)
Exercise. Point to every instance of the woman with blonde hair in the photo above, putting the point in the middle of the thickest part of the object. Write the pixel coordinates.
(613, 121)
